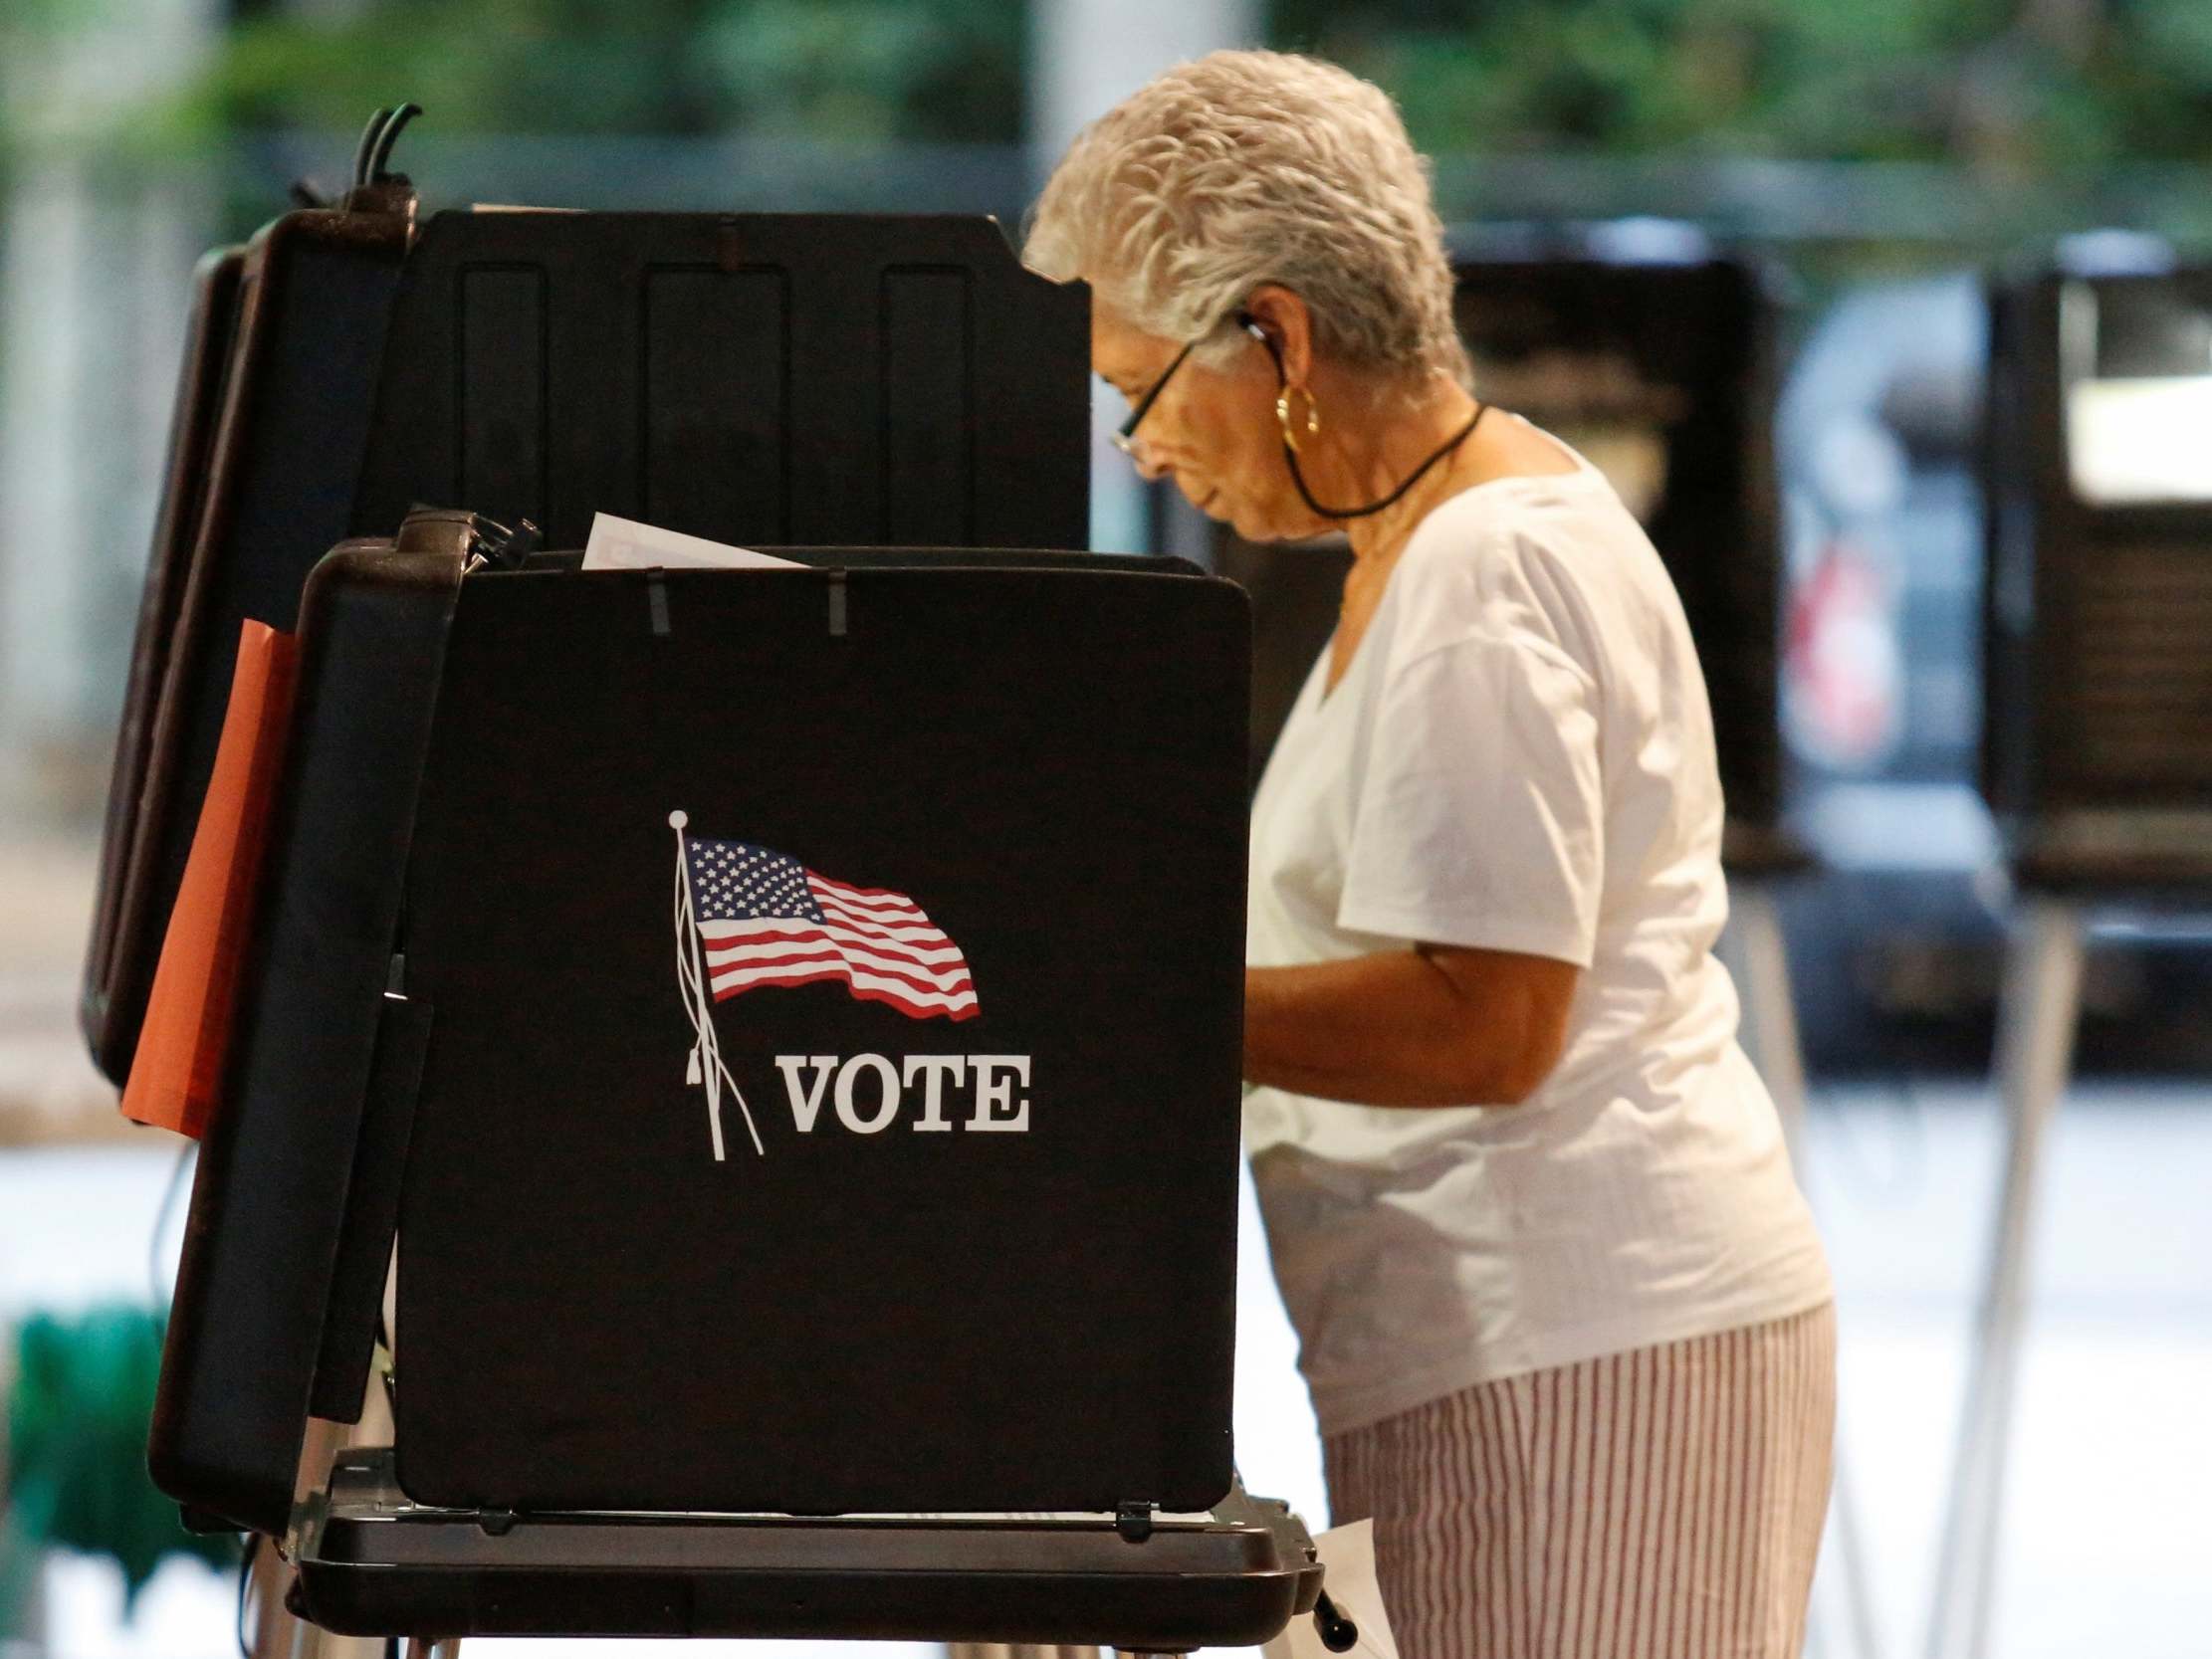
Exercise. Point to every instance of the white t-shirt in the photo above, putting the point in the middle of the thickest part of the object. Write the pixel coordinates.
(1519, 757)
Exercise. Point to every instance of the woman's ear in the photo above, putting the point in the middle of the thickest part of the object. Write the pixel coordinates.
(1282, 317)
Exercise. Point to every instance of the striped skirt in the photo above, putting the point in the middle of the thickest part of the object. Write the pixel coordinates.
(1662, 1501)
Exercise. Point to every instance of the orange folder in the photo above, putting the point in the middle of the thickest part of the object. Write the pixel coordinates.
(178, 1067)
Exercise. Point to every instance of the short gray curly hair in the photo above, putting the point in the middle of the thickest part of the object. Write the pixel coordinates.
(1252, 167)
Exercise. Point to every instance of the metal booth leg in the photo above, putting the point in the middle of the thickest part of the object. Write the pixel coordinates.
(433, 1647)
(1753, 950)
(2035, 1048)
(276, 1633)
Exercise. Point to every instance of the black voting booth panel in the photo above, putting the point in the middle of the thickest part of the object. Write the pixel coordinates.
(299, 1167)
(271, 410)
(207, 346)
(2096, 740)
(463, 1016)
(755, 378)
(1665, 372)
(932, 1318)
(768, 379)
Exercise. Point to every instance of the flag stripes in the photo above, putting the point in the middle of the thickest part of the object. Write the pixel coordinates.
(764, 918)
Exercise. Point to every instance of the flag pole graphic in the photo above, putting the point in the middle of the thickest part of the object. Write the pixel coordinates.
(704, 1066)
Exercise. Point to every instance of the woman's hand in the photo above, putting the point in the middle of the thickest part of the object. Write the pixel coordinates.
(1438, 1025)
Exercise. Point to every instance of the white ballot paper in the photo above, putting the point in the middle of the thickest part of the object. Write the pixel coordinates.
(1347, 1553)
(625, 544)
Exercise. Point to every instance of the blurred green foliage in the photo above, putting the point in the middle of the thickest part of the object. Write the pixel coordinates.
(76, 1430)
(921, 70)
(2004, 84)
(2020, 84)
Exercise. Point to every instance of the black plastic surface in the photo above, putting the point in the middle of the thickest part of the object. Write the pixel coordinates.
(781, 378)
(373, 1204)
(371, 1564)
(210, 336)
(1049, 761)
(277, 1166)
(312, 298)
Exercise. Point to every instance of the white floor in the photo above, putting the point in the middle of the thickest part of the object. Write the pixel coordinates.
(2108, 1549)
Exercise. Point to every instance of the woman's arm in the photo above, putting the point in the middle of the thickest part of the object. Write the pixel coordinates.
(1437, 1025)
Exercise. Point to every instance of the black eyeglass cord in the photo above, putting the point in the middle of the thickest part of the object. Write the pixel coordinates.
(1246, 322)
(1413, 477)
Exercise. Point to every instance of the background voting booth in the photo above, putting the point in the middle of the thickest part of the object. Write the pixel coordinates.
(788, 1018)
(1662, 371)
(2096, 740)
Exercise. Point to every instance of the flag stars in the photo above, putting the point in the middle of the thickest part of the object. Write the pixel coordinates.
(792, 917)
(735, 881)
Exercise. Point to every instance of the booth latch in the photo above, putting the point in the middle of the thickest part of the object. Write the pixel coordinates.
(1134, 1521)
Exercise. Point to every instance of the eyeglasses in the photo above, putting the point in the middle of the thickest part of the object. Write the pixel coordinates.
(1125, 435)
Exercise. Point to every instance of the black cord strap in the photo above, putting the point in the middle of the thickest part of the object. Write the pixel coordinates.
(1246, 322)
(1454, 442)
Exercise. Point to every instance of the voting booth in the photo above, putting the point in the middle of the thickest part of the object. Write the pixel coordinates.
(1663, 372)
(2097, 755)
(776, 1031)
(754, 378)
(797, 1062)
(1661, 366)
(2096, 738)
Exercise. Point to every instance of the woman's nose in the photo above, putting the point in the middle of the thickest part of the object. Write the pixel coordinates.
(1149, 467)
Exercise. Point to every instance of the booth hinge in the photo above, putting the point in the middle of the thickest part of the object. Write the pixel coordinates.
(1134, 1521)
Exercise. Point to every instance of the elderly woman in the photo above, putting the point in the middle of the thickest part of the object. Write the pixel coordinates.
(1564, 1317)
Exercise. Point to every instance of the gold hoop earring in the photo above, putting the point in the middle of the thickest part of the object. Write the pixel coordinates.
(1282, 414)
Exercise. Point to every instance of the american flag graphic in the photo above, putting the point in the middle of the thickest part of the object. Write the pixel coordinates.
(765, 918)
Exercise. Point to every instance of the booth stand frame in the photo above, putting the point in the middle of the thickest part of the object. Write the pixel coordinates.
(2095, 690)
(1228, 1578)
(2038, 1015)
